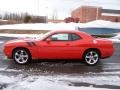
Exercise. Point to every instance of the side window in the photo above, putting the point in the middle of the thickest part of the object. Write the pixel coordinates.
(75, 37)
(60, 37)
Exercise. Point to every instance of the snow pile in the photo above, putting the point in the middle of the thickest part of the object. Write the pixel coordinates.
(21, 35)
(101, 24)
(116, 38)
(40, 26)
(62, 26)
(59, 26)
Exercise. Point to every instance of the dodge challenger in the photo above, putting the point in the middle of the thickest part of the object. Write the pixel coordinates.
(58, 45)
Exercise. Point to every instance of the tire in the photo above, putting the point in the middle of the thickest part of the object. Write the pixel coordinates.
(21, 56)
(91, 57)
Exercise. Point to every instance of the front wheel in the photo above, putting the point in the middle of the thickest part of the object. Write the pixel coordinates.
(91, 57)
(21, 56)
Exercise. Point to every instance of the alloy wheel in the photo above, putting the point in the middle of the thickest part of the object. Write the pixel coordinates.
(91, 57)
(21, 56)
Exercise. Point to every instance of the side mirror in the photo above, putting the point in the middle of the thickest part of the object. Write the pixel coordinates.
(48, 40)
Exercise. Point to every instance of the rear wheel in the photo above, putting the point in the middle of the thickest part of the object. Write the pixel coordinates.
(21, 56)
(91, 57)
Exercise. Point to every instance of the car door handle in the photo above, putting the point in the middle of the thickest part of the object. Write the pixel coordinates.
(67, 44)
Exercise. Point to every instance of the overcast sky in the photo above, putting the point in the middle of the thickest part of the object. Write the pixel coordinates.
(49, 7)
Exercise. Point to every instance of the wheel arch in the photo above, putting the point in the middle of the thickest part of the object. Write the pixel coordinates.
(22, 48)
(96, 49)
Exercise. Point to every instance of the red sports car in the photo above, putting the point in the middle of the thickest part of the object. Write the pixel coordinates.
(62, 44)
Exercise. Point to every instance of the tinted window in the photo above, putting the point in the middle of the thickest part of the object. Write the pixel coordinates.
(75, 37)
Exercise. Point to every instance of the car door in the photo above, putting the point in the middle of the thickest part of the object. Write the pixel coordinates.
(59, 46)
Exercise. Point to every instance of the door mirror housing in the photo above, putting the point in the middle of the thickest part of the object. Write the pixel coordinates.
(48, 40)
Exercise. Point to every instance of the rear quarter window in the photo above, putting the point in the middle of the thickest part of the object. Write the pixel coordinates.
(75, 37)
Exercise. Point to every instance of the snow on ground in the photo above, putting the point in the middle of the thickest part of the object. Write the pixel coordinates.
(9, 70)
(39, 83)
(92, 79)
(40, 26)
(116, 38)
(60, 26)
(7, 79)
(55, 82)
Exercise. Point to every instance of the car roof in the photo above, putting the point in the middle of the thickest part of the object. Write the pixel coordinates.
(82, 34)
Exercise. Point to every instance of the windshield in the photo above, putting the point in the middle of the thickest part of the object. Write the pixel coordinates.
(42, 36)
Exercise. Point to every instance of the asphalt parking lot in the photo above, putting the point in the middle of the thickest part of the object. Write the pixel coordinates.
(104, 75)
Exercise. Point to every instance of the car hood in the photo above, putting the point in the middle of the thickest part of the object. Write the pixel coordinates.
(20, 41)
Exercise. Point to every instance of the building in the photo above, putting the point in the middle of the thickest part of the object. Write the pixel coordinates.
(90, 13)
(5, 22)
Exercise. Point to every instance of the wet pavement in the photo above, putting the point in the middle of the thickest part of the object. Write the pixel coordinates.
(106, 74)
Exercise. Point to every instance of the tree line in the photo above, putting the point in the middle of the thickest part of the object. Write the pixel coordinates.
(22, 18)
